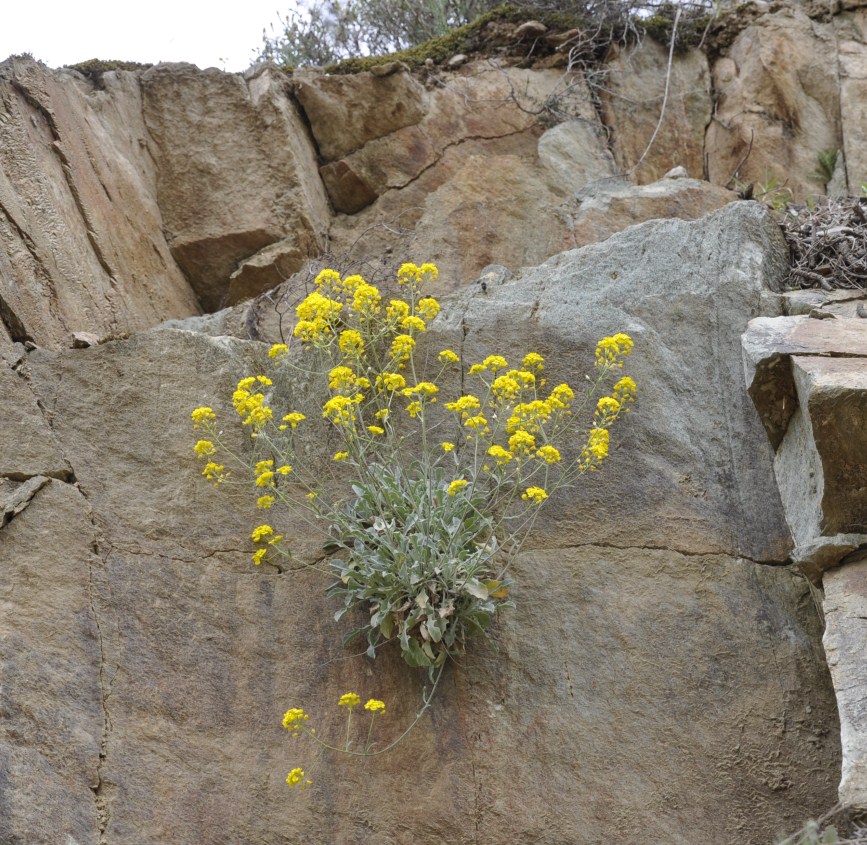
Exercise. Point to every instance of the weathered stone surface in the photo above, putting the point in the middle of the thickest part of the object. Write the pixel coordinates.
(778, 104)
(851, 31)
(834, 392)
(575, 154)
(841, 303)
(27, 446)
(145, 443)
(81, 246)
(613, 207)
(51, 696)
(345, 112)
(845, 640)
(205, 652)
(770, 342)
(236, 171)
(656, 282)
(632, 102)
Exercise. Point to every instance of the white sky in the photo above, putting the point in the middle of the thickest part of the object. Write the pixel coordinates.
(209, 34)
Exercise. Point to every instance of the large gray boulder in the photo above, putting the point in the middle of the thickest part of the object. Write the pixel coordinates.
(656, 676)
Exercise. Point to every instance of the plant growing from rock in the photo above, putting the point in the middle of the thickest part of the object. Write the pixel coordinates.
(436, 493)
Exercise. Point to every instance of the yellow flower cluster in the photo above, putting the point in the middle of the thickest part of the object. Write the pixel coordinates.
(536, 495)
(374, 705)
(350, 700)
(201, 415)
(250, 406)
(610, 351)
(456, 486)
(294, 719)
(296, 778)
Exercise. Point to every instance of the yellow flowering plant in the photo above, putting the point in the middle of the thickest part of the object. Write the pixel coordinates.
(441, 490)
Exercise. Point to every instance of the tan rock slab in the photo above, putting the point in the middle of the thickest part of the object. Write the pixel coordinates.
(778, 104)
(347, 111)
(51, 696)
(27, 445)
(236, 172)
(845, 640)
(81, 241)
(632, 99)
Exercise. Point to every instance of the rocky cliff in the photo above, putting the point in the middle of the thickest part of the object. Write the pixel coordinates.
(156, 226)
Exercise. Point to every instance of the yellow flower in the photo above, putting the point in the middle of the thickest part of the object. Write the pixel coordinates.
(366, 300)
(414, 409)
(203, 414)
(429, 271)
(505, 387)
(263, 466)
(522, 441)
(408, 274)
(341, 456)
(624, 390)
(315, 306)
(294, 718)
(456, 486)
(312, 496)
(423, 388)
(397, 309)
(537, 495)
(213, 471)
(278, 349)
(428, 308)
(548, 454)
(597, 443)
(260, 533)
(244, 383)
(375, 429)
(309, 331)
(340, 410)
(350, 342)
(500, 455)
(350, 700)
(264, 480)
(341, 378)
(265, 502)
(533, 361)
(390, 381)
(475, 422)
(258, 555)
(374, 705)
(523, 377)
(610, 350)
(350, 283)
(447, 447)
(401, 347)
(465, 404)
(327, 279)
(448, 357)
(296, 777)
(494, 363)
(413, 323)
(204, 447)
(382, 414)
(264, 380)
(561, 396)
(294, 418)
(530, 416)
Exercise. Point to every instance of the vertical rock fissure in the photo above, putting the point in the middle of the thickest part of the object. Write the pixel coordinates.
(103, 812)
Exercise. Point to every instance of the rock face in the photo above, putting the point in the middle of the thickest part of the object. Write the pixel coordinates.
(632, 101)
(808, 379)
(145, 663)
(81, 246)
(779, 104)
(637, 660)
(236, 175)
